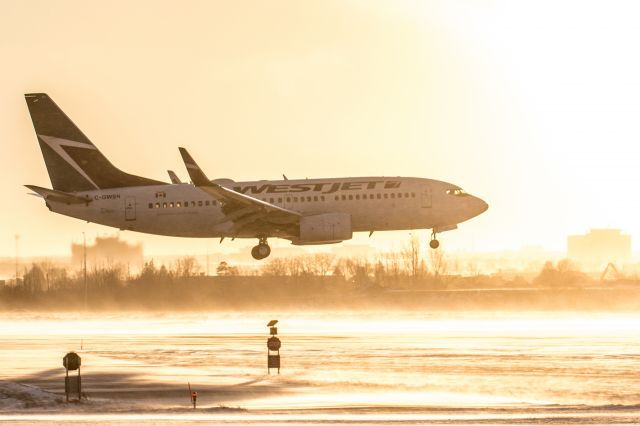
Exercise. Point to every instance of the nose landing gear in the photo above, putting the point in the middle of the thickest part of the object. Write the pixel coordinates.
(434, 243)
(262, 250)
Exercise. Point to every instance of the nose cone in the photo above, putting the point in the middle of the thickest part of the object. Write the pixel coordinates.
(476, 207)
(482, 206)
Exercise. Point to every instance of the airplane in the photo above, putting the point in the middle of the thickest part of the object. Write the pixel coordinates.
(304, 211)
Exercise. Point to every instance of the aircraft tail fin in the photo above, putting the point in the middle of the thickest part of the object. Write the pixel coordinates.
(73, 162)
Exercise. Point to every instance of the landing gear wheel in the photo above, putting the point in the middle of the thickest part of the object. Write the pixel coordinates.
(262, 250)
(434, 243)
(254, 253)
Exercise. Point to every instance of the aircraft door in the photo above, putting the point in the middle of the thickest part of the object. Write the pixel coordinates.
(130, 208)
(425, 196)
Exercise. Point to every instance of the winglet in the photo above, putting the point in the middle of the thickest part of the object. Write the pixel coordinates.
(195, 173)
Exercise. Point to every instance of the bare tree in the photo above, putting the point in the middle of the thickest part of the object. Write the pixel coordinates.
(357, 270)
(34, 279)
(187, 267)
(563, 274)
(294, 266)
(324, 262)
(379, 273)
(438, 263)
(392, 265)
(411, 256)
(308, 265)
(276, 267)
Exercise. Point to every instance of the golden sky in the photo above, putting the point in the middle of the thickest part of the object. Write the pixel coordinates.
(533, 106)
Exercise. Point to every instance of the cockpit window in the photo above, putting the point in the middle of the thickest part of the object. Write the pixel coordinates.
(457, 192)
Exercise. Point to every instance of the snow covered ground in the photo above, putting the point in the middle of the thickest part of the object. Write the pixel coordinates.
(360, 369)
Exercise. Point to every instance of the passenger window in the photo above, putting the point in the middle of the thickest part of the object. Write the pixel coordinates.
(336, 197)
(344, 197)
(157, 205)
(315, 198)
(178, 204)
(199, 203)
(171, 204)
(393, 195)
(309, 199)
(413, 195)
(357, 196)
(288, 199)
(350, 197)
(271, 200)
(406, 195)
(400, 195)
(386, 195)
(322, 198)
(150, 205)
(378, 196)
(206, 203)
(295, 199)
(164, 205)
(279, 200)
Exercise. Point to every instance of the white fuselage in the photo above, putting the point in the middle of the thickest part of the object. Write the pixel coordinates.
(374, 203)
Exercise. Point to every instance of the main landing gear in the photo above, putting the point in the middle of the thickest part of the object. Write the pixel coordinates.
(434, 243)
(262, 250)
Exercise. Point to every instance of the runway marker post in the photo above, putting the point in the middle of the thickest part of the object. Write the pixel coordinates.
(193, 395)
(273, 347)
(72, 384)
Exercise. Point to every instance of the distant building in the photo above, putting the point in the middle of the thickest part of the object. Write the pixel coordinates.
(599, 247)
(108, 251)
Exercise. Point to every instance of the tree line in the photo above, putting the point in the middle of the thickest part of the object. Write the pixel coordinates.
(403, 267)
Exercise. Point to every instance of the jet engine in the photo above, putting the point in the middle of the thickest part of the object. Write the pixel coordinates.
(324, 228)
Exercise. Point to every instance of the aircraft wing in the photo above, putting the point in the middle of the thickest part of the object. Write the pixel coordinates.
(243, 210)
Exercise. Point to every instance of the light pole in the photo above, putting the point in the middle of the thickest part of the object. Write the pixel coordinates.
(84, 266)
(17, 239)
(207, 260)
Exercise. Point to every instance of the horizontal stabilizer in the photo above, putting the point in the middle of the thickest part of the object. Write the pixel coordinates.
(59, 196)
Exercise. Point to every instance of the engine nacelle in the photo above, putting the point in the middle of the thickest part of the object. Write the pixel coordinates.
(325, 228)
